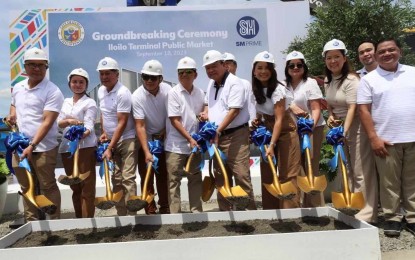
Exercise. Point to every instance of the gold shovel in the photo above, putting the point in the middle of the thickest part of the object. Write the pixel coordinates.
(75, 178)
(136, 203)
(110, 198)
(311, 183)
(208, 184)
(235, 195)
(286, 190)
(39, 201)
(346, 201)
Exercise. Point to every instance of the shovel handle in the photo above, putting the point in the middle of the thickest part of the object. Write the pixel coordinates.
(188, 163)
(75, 172)
(346, 190)
(147, 179)
(275, 179)
(107, 179)
(223, 169)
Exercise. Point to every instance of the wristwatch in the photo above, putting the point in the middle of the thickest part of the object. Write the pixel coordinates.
(34, 145)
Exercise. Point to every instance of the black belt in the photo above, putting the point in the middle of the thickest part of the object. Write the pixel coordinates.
(233, 129)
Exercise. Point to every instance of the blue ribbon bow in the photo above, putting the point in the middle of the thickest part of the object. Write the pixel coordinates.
(305, 127)
(261, 137)
(206, 133)
(335, 137)
(99, 153)
(156, 149)
(74, 134)
(16, 142)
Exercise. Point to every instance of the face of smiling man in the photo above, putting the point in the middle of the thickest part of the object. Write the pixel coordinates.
(388, 54)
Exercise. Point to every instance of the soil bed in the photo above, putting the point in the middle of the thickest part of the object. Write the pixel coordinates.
(179, 231)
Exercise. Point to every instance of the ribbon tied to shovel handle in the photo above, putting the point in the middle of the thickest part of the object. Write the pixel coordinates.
(206, 133)
(74, 134)
(156, 149)
(15, 143)
(304, 128)
(335, 137)
(99, 154)
(260, 136)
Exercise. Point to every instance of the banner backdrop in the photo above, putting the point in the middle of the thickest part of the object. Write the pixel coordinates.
(133, 35)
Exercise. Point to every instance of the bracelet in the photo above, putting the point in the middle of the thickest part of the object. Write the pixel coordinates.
(272, 143)
(218, 133)
(34, 145)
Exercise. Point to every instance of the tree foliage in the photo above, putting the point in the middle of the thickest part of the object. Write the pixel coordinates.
(353, 22)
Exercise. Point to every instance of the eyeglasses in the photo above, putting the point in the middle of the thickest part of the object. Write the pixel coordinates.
(188, 72)
(293, 65)
(36, 65)
(146, 77)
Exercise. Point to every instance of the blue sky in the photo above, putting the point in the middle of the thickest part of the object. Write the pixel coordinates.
(29, 4)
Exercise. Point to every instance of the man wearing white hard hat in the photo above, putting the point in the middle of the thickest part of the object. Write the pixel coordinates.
(118, 128)
(76, 110)
(226, 106)
(36, 103)
(185, 102)
(231, 65)
(150, 114)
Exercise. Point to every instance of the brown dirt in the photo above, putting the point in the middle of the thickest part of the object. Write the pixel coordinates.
(179, 231)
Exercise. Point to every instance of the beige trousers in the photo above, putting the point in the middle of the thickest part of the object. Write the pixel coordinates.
(236, 148)
(175, 165)
(125, 160)
(361, 166)
(43, 166)
(397, 181)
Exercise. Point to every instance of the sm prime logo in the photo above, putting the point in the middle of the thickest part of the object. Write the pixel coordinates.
(248, 27)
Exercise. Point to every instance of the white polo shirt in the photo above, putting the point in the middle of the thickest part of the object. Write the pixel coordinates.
(250, 98)
(118, 100)
(228, 96)
(187, 106)
(392, 95)
(279, 93)
(30, 105)
(151, 108)
(303, 93)
(84, 110)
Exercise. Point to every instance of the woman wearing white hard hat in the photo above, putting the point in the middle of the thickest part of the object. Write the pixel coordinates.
(272, 108)
(307, 96)
(341, 85)
(80, 109)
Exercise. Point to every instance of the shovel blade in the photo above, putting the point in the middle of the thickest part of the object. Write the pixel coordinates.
(286, 192)
(103, 203)
(355, 204)
(45, 204)
(71, 180)
(117, 196)
(136, 203)
(208, 187)
(318, 184)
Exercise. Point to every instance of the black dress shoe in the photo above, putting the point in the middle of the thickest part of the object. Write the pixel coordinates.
(392, 228)
(410, 227)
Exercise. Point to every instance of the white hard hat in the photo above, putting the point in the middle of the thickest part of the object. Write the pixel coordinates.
(80, 72)
(265, 57)
(152, 67)
(294, 55)
(35, 54)
(228, 56)
(108, 63)
(211, 56)
(186, 63)
(334, 45)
